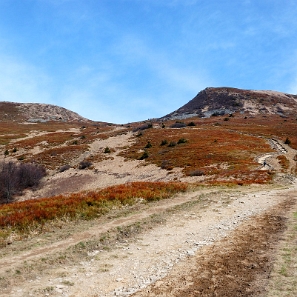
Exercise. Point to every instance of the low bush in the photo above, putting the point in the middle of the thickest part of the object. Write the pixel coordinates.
(172, 144)
(143, 127)
(166, 164)
(144, 156)
(64, 168)
(14, 178)
(84, 164)
(182, 140)
(107, 150)
(25, 215)
(148, 145)
(164, 142)
(287, 141)
(196, 173)
(30, 175)
(178, 125)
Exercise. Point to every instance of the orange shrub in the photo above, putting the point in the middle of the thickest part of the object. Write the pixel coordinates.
(85, 205)
(55, 157)
(284, 162)
(213, 150)
(51, 139)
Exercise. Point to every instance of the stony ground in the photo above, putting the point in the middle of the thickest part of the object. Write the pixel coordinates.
(218, 242)
(209, 242)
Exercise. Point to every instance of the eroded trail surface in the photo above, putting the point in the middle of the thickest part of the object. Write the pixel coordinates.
(238, 265)
(204, 243)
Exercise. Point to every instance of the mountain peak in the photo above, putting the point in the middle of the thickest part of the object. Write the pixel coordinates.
(37, 112)
(227, 100)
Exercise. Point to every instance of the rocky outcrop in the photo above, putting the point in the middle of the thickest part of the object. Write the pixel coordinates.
(220, 101)
(36, 112)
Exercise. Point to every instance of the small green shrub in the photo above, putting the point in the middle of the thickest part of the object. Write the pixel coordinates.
(107, 150)
(178, 125)
(84, 164)
(172, 144)
(144, 156)
(143, 127)
(148, 145)
(64, 168)
(164, 142)
(287, 141)
(182, 140)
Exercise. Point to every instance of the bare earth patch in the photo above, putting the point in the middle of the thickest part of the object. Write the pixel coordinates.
(283, 278)
(239, 265)
(202, 244)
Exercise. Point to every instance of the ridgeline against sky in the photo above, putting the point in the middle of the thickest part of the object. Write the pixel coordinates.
(127, 60)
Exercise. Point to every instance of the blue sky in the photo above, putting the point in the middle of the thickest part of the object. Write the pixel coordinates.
(129, 60)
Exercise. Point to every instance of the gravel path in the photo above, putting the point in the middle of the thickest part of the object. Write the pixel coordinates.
(132, 266)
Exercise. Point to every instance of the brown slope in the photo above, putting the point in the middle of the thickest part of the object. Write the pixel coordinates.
(224, 100)
(36, 112)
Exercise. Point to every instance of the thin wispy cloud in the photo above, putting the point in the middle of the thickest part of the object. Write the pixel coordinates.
(21, 82)
(129, 60)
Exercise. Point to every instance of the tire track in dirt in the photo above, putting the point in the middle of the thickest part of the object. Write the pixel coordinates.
(239, 265)
(152, 262)
(100, 228)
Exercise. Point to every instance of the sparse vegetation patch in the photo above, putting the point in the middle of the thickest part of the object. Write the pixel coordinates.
(22, 216)
(224, 155)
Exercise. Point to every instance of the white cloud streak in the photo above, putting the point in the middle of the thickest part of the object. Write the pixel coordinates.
(21, 82)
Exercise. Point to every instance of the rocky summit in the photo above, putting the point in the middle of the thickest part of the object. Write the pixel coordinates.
(225, 100)
(36, 112)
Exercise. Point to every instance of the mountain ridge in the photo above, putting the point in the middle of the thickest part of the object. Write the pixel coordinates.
(208, 102)
(37, 112)
(227, 100)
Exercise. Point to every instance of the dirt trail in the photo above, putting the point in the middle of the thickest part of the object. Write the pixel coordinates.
(10, 262)
(154, 256)
(269, 161)
(239, 265)
(206, 226)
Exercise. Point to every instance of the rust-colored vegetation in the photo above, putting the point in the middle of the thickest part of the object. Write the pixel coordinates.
(51, 139)
(224, 150)
(22, 216)
(219, 149)
(212, 150)
(284, 162)
(59, 156)
(268, 126)
(13, 130)
(58, 146)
